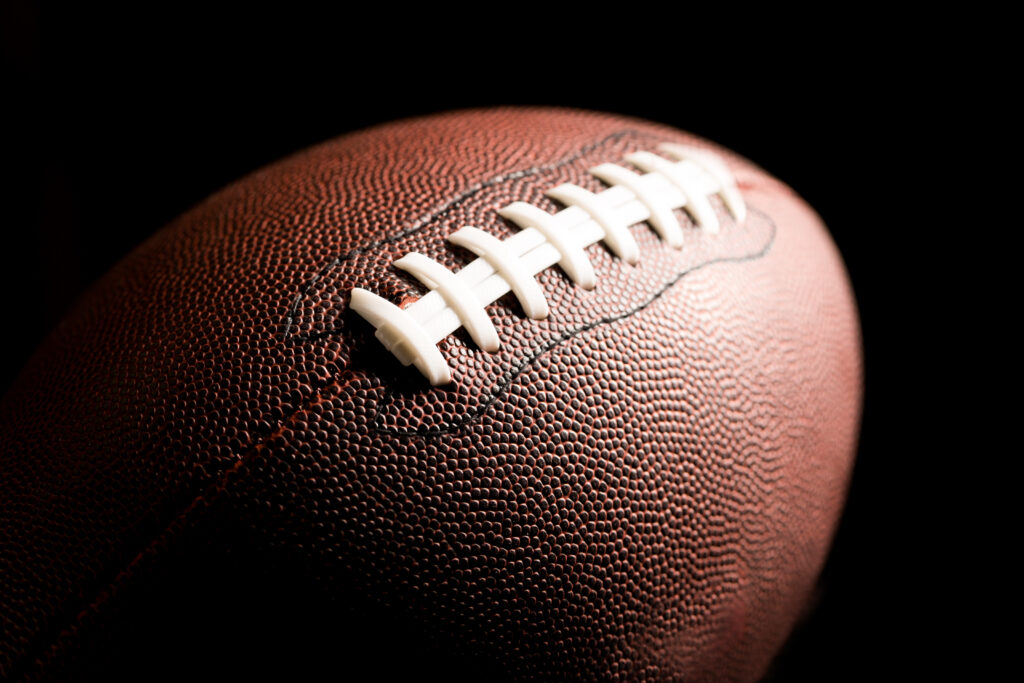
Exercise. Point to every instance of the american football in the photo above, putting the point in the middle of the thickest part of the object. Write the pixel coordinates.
(503, 394)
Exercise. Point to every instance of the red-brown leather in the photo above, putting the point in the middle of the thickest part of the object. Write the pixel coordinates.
(644, 485)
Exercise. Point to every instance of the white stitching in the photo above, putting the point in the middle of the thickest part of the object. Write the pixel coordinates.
(714, 167)
(616, 233)
(458, 299)
(527, 290)
(661, 218)
(574, 260)
(402, 335)
(697, 204)
(463, 301)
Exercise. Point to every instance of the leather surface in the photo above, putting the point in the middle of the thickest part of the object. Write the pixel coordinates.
(643, 486)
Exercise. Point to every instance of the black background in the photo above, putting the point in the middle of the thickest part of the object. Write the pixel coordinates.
(118, 122)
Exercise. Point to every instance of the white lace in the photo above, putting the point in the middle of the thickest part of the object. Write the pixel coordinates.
(458, 299)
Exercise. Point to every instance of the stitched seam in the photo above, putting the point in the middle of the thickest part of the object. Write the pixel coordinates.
(565, 336)
(459, 299)
(176, 525)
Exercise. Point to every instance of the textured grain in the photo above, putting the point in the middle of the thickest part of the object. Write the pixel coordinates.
(642, 486)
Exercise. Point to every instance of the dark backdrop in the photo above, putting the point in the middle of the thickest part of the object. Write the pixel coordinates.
(119, 122)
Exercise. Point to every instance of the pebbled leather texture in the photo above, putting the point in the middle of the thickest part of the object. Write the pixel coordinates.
(642, 487)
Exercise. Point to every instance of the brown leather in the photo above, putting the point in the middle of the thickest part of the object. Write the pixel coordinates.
(643, 485)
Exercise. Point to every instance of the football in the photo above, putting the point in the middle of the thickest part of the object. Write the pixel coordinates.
(512, 394)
